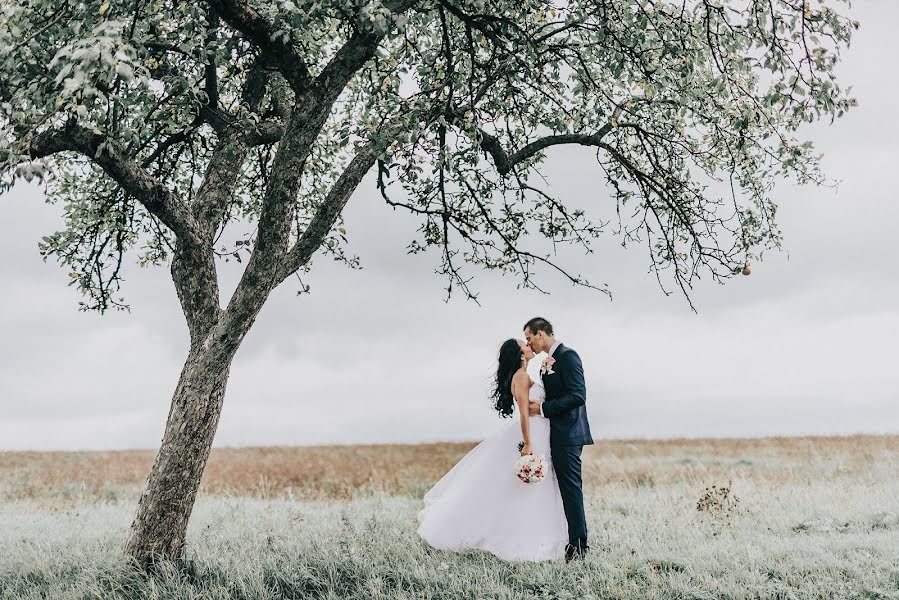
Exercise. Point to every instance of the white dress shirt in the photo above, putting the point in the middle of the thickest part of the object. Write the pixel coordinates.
(551, 350)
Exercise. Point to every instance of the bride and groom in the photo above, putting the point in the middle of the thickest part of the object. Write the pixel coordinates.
(480, 504)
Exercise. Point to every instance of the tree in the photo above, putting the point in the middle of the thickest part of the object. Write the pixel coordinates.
(157, 123)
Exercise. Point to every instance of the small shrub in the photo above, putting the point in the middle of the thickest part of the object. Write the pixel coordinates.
(666, 566)
(719, 502)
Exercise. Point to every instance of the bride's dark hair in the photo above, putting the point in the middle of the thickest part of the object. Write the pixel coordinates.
(509, 362)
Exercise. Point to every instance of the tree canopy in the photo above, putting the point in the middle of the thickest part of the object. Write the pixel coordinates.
(152, 121)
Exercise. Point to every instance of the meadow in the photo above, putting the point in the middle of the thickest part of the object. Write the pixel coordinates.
(804, 517)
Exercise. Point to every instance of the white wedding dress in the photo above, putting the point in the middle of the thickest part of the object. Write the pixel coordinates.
(481, 504)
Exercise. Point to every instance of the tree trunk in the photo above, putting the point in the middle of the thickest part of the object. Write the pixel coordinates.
(160, 525)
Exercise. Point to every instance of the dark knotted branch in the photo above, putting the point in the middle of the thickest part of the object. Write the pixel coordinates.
(281, 97)
(244, 18)
(172, 140)
(263, 78)
(265, 133)
(112, 158)
(504, 162)
(211, 83)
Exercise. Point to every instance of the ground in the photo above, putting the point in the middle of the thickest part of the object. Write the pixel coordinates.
(762, 518)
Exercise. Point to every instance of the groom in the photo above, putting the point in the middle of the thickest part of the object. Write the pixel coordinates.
(569, 430)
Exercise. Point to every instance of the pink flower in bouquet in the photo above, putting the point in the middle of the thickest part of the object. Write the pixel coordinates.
(530, 468)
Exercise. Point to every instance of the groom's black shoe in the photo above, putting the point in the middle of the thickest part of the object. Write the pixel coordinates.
(576, 551)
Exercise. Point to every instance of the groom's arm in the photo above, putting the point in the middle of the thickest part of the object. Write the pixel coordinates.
(574, 390)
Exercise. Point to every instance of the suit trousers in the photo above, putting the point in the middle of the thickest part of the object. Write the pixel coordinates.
(567, 464)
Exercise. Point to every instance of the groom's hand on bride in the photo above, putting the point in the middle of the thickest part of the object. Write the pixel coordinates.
(533, 409)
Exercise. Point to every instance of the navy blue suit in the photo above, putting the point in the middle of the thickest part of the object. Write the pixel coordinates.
(569, 432)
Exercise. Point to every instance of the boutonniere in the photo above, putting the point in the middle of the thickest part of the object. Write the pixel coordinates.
(547, 367)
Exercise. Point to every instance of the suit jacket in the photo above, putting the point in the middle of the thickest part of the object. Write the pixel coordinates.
(566, 397)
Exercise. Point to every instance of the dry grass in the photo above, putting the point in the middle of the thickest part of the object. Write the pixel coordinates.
(750, 519)
(342, 472)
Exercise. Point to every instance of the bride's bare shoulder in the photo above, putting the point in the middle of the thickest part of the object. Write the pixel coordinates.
(521, 378)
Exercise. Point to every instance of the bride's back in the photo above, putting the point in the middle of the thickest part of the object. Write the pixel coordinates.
(537, 392)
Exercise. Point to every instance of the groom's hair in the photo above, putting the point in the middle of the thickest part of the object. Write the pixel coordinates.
(539, 324)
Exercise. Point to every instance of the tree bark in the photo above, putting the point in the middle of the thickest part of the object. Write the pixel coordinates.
(160, 526)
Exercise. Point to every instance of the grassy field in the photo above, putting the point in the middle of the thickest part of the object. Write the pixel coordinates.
(786, 518)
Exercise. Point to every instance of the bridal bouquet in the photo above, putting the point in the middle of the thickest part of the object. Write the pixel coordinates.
(531, 468)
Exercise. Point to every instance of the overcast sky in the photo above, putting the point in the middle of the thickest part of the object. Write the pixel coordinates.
(808, 343)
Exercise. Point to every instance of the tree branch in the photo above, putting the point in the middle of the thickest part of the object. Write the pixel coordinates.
(330, 209)
(112, 158)
(231, 150)
(266, 132)
(343, 65)
(357, 51)
(505, 162)
(312, 108)
(244, 18)
(216, 189)
(211, 84)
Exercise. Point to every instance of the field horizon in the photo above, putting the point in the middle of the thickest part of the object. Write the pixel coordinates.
(341, 471)
(599, 440)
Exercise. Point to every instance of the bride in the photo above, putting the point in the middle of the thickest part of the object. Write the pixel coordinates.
(480, 503)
